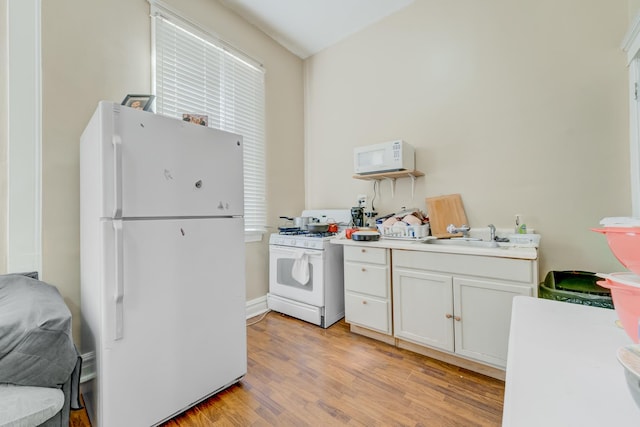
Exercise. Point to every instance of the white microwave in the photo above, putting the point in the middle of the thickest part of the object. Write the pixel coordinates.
(385, 157)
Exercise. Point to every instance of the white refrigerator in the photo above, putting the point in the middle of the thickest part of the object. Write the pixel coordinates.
(162, 264)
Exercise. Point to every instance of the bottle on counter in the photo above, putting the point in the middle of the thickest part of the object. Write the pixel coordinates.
(521, 227)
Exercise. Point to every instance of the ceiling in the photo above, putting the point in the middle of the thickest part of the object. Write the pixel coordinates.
(305, 27)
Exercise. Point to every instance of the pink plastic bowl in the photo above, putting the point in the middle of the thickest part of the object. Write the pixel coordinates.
(624, 243)
(626, 300)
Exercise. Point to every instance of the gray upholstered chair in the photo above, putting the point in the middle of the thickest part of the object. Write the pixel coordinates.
(25, 406)
(39, 364)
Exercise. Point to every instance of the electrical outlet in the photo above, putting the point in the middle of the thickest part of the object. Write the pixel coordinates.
(362, 200)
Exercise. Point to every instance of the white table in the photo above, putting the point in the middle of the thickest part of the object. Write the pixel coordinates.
(562, 368)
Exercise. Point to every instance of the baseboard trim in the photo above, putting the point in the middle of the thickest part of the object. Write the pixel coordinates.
(385, 338)
(471, 365)
(88, 367)
(256, 306)
(253, 308)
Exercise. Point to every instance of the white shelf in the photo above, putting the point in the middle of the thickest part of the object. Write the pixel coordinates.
(391, 177)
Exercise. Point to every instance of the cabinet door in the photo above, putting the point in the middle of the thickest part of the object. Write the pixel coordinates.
(423, 308)
(484, 310)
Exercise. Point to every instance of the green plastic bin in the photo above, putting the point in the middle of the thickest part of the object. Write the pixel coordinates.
(576, 287)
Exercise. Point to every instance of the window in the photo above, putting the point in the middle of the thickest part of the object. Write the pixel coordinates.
(194, 72)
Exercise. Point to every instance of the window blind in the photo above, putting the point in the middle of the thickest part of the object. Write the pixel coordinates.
(196, 73)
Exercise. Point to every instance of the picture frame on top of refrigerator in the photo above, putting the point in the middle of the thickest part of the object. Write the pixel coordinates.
(198, 119)
(139, 102)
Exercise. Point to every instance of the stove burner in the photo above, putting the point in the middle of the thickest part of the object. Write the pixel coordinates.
(289, 231)
(320, 235)
(305, 233)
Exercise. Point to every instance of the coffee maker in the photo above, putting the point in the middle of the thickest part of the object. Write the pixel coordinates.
(357, 216)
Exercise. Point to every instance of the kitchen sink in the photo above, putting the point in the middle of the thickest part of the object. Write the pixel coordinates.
(464, 242)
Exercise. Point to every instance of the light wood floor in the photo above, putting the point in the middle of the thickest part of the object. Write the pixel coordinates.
(302, 375)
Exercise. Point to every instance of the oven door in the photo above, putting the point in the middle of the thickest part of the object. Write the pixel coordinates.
(282, 281)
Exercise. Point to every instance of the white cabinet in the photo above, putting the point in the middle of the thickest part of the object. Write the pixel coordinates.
(458, 303)
(423, 307)
(367, 286)
(482, 315)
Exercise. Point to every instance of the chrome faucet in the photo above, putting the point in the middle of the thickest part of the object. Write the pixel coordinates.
(464, 229)
(492, 229)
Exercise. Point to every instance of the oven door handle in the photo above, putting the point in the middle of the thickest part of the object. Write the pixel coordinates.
(294, 251)
(302, 252)
(313, 253)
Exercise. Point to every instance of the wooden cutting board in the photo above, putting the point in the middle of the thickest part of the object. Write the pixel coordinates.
(445, 210)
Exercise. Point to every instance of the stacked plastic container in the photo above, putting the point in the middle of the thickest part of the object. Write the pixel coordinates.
(623, 237)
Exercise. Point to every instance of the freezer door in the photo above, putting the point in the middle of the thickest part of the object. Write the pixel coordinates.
(156, 166)
(182, 335)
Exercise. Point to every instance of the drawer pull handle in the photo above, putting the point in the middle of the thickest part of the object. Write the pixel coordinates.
(364, 302)
(448, 316)
(364, 269)
(457, 318)
(363, 250)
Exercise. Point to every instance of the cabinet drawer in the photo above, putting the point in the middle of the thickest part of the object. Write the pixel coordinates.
(368, 279)
(371, 255)
(367, 312)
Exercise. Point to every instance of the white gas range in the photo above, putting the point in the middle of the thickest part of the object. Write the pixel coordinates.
(306, 277)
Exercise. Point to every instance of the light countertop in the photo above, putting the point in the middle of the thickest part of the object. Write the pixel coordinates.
(501, 252)
(562, 368)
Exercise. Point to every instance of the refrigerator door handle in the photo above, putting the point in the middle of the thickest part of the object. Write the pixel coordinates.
(117, 176)
(119, 289)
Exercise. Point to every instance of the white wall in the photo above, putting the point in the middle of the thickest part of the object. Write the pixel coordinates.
(634, 8)
(519, 106)
(101, 50)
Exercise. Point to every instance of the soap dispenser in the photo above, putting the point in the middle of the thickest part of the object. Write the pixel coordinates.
(521, 227)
